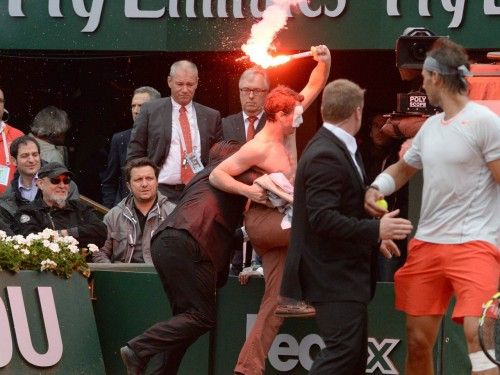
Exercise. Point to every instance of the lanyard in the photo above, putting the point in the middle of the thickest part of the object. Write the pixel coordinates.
(4, 141)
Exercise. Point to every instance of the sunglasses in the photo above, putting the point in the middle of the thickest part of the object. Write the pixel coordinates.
(57, 180)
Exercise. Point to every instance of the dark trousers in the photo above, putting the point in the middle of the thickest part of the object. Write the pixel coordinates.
(189, 280)
(344, 328)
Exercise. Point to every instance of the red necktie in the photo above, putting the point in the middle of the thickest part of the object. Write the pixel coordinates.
(186, 171)
(251, 129)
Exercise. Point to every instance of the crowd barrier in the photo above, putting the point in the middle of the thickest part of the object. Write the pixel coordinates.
(130, 298)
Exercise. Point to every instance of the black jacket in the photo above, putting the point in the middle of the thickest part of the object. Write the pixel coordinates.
(114, 186)
(233, 127)
(78, 219)
(333, 241)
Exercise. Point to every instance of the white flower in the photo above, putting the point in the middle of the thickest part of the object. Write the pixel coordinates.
(46, 243)
(74, 249)
(92, 248)
(54, 247)
(69, 240)
(48, 264)
(25, 251)
(47, 233)
(32, 237)
(2, 234)
(16, 247)
(19, 239)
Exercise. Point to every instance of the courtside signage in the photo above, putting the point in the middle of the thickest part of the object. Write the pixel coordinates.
(225, 24)
(288, 353)
(47, 325)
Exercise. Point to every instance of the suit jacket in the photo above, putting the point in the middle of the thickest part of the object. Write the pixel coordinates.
(152, 130)
(114, 187)
(233, 127)
(332, 239)
(211, 217)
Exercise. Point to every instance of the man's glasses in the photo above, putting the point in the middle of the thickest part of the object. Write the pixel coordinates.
(57, 180)
(247, 91)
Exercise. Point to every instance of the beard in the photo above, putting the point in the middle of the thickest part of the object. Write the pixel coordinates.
(58, 200)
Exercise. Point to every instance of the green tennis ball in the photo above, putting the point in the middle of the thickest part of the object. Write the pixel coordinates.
(382, 203)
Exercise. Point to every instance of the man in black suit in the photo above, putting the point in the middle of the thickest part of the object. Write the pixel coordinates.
(191, 254)
(175, 132)
(241, 127)
(333, 239)
(114, 187)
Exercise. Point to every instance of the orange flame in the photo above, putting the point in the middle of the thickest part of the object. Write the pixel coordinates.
(260, 43)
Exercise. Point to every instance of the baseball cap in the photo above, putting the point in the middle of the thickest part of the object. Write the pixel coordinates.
(53, 169)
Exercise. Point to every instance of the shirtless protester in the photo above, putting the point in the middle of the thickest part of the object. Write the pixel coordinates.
(272, 150)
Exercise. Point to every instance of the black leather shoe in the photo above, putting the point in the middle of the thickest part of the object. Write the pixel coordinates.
(132, 362)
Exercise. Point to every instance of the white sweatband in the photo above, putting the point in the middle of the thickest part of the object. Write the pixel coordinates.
(385, 184)
(480, 362)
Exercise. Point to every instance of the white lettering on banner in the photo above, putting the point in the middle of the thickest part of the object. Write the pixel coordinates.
(490, 8)
(286, 352)
(5, 337)
(21, 329)
(132, 10)
(453, 6)
(378, 356)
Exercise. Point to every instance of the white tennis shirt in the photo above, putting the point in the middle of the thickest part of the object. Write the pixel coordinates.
(460, 198)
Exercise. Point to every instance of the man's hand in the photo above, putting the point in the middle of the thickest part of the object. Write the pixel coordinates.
(371, 196)
(388, 248)
(256, 193)
(321, 53)
(394, 228)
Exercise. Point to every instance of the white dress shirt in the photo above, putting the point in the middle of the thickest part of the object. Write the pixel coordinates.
(170, 171)
(348, 140)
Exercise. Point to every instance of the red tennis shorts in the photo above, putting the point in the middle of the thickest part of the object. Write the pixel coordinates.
(434, 272)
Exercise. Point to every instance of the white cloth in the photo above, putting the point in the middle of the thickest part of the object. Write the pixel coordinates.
(460, 198)
(348, 140)
(280, 194)
(170, 171)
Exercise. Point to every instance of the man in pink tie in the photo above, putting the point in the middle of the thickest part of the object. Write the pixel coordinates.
(175, 132)
(242, 127)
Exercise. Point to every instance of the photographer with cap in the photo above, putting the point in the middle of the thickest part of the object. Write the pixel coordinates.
(55, 211)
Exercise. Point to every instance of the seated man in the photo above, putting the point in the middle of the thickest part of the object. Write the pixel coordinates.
(25, 153)
(134, 220)
(55, 211)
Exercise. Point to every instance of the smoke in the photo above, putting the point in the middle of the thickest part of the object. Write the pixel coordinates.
(263, 33)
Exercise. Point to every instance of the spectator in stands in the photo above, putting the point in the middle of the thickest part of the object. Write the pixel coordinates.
(114, 187)
(242, 127)
(8, 134)
(25, 153)
(49, 127)
(57, 212)
(134, 220)
(176, 133)
(191, 252)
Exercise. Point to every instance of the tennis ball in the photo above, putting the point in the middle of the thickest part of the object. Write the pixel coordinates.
(382, 203)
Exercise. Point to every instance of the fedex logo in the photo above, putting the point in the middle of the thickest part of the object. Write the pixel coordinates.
(287, 353)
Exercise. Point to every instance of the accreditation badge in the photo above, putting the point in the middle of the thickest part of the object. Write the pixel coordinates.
(194, 162)
(4, 175)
